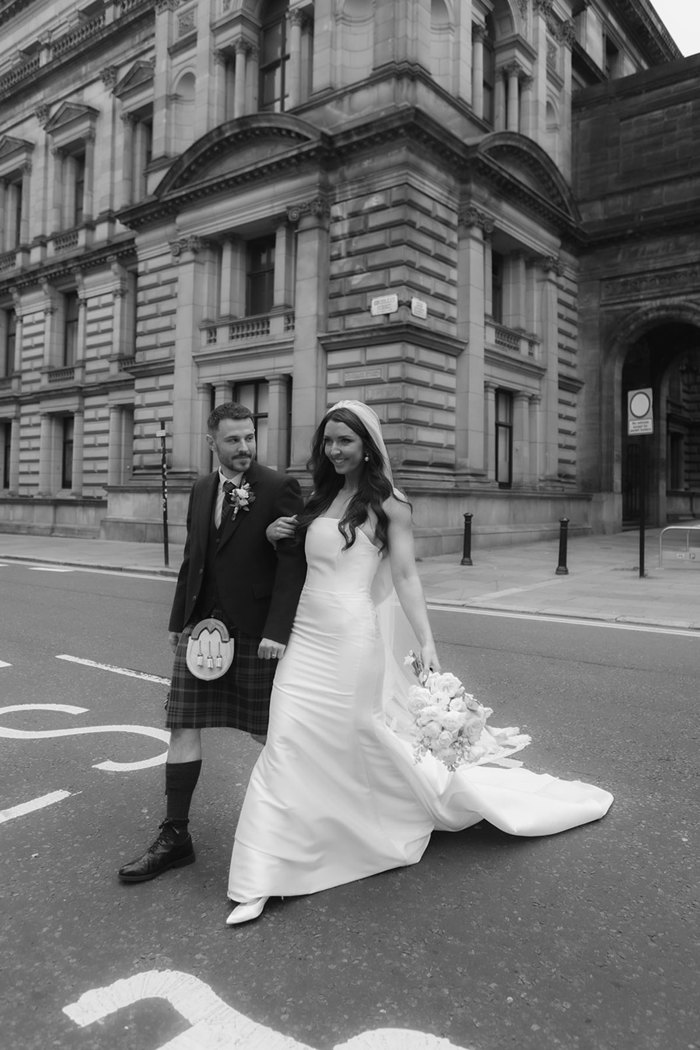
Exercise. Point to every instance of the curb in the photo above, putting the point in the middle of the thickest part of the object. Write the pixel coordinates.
(103, 567)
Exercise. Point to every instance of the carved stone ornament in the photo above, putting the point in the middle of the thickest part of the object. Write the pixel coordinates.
(543, 7)
(166, 5)
(319, 207)
(471, 216)
(109, 76)
(191, 244)
(42, 114)
(567, 33)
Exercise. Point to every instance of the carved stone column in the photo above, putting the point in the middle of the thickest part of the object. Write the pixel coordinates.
(46, 455)
(14, 456)
(469, 422)
(521, 438)
(478, 70)
(278, 416)
(239, 82)
(78, 453)
(513, 72)
(550, 382)
(295, 19)
(310, 311)
(188, 435)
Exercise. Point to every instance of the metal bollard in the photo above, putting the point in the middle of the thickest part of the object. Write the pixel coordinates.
(563, 538)
(467, 548)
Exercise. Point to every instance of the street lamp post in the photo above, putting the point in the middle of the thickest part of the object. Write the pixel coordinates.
(162, 434)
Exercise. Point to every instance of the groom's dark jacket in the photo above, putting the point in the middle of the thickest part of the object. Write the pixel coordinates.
(258, 587)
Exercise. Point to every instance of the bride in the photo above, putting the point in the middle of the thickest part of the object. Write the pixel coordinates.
(336, 794)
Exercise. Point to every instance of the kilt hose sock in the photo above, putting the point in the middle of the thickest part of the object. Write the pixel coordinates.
(180, 781)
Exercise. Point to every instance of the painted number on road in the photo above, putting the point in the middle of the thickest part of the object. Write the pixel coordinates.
(217, 1026)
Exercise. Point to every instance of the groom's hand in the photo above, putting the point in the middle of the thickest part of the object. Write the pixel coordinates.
(269, 650)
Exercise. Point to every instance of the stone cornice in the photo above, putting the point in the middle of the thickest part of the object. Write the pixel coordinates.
(394, 332)
(646, 29)
(55, 269)
(98, 40)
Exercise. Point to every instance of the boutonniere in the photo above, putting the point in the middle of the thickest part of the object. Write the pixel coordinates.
(240, 498)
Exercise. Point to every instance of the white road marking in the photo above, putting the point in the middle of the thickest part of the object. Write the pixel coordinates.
(115, 670)
(50, 568)
(3, 663)
(573, 621)
(108, 766)
(217, 1026)
(34, 804)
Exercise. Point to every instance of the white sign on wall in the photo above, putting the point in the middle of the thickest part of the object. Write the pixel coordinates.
(640, 411)
(385, 304)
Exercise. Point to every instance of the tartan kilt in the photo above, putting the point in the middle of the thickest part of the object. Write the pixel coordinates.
(240, 699)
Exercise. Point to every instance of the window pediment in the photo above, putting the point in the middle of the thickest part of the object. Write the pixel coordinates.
(137, 79)
(14, 153)
(523, 161)
(71, 122)
(236, 146)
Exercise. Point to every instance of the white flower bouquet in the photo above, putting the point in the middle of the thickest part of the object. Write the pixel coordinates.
(450, 723)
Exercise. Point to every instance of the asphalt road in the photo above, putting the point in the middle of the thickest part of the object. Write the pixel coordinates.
(581, 940)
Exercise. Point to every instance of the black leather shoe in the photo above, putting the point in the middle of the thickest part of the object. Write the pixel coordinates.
(172, 849)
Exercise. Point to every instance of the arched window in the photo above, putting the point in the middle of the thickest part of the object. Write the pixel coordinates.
(355, 40)
(274, 56)
(183, 127)
(440, 43)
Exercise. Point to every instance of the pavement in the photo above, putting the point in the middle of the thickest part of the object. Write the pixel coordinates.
(602, 581)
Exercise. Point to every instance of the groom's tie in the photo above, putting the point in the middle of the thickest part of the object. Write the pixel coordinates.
(226, 506)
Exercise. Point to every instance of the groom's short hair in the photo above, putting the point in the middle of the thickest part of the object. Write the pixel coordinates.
(229, 410)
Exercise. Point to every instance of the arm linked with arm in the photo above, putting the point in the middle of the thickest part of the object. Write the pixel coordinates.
(290, 571)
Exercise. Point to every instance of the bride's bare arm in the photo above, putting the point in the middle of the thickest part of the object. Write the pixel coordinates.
(405, 577)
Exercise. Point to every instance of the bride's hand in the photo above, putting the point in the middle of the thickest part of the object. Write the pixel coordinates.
(429, 657)
(281, 529)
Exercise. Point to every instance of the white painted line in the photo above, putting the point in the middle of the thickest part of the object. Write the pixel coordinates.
(31, 807)
(573, 621)
(108, 766)
(3, 663)
(115, 670)
(217, 1026)
(50, 568)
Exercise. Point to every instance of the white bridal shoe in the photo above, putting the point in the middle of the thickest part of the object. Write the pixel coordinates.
(247, 912)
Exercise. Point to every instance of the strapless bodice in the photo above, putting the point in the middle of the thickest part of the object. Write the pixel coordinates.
(334, 570)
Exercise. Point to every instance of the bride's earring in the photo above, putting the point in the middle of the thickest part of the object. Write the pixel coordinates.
(366, 458)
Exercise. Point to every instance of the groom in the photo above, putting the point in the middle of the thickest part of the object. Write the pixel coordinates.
(232, 572)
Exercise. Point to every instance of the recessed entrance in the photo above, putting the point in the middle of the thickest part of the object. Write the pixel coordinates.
(665, 359)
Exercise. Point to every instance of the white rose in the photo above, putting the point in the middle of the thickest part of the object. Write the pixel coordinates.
(449, 683)
(452, 721)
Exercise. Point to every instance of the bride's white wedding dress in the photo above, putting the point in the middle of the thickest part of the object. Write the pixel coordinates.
(336, 794)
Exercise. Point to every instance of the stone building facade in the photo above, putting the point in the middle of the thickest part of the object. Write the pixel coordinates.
(286, 202)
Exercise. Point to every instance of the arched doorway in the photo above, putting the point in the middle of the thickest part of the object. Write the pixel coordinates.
(666, 358)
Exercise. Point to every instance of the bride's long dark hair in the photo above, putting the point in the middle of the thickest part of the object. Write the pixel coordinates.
(373, 486)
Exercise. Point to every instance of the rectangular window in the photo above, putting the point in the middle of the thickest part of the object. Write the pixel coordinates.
(67, 453)
(497, 269)
(76, 205)
(255, 396)
(7, 362)
(504, 438)
(13, 213)
(71, 308)
(260, 276)
(6, 438)
(273, 60)
(143, 153)
(676, 480)
(489, 80)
